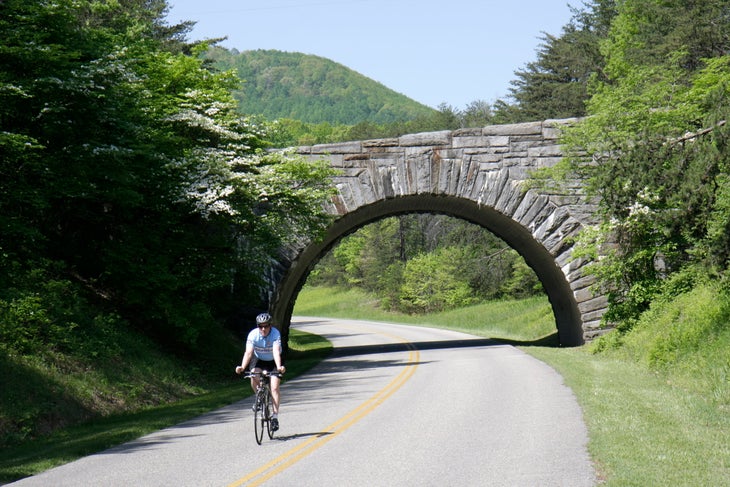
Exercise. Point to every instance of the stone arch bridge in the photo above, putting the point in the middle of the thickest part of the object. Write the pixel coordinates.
(473, 174)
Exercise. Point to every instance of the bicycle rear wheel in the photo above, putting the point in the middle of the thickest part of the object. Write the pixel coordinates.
(259, 419)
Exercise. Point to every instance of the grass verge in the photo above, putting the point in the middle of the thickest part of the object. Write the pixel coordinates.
(647, 425)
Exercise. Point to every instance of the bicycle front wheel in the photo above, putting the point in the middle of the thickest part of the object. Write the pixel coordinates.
(259, 423)
(268, 411)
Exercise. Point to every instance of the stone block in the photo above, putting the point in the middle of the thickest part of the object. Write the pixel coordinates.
(597, 303)
(544, 151)
(494, 183)
(582, 282)
(510, 198)
(514, 129)
(392, 142)
(467, 132)
(480, 144)
(441, 138)
(339, 148)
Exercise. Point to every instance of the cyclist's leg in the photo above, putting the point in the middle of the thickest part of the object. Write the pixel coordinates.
(255, 369)
(275, 394)
(270, 366)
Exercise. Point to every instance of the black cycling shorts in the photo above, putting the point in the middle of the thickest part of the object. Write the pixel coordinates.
(267, 365)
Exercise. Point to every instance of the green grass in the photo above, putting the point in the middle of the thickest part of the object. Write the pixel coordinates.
(655, 403)
(529, 319)
(644, 431)
(24, 458)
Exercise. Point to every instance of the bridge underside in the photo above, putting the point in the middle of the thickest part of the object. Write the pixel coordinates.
(565, 308)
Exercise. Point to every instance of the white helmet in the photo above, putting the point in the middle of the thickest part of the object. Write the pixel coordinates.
(263, 318)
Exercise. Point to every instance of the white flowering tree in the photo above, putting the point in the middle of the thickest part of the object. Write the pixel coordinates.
(126, 169)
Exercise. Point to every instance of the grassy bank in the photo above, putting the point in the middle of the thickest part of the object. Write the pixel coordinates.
(656, 402)
(529, 319)
(189, 394)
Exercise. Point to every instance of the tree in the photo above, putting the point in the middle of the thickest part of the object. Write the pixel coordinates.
(555, 85)
(377, 258)
(127, 169)
(431, 282)
(658, 144)
(478, 113)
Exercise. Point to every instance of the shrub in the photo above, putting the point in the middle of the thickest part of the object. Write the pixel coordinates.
(431, 282)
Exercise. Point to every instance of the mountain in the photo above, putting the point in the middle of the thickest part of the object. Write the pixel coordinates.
(311, 89)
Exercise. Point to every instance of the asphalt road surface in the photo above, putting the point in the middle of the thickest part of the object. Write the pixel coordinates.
(394, 405)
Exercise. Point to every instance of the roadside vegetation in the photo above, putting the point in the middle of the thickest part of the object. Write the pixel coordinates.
(139, 212)
(657, 410)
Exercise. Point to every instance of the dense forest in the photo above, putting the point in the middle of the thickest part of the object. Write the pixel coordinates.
(136, 194)
(424, 263)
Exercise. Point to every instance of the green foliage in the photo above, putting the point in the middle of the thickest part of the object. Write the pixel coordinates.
(316, 101)
(63, 362)
(311, 89)
(379, 258)
(126, 164)
(290, 133)
(431, 283)
(347, 256)
(523, 282)
(657, 144)
(684, 336)
(556, 84)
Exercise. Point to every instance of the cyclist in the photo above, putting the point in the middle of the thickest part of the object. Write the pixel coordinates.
(263, 352)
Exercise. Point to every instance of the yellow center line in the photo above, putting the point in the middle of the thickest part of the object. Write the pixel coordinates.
(292, 456)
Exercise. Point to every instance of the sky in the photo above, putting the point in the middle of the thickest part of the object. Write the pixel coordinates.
(433, 51)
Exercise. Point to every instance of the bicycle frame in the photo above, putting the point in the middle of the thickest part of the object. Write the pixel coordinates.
(264, 404)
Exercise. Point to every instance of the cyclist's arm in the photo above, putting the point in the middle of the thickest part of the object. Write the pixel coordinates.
(246, 358)
(277, 359)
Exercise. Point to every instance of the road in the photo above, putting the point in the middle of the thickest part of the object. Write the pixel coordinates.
(394, 405)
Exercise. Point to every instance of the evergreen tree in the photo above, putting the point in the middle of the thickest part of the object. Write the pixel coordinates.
(555, 85)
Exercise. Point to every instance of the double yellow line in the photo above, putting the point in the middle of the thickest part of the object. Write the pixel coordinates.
(289, 458)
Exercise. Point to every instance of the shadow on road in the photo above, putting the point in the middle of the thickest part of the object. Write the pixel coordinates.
(547, 341)
(552, 340)
(318, 434)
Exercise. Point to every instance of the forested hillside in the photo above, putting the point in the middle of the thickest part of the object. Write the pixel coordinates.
(311, 89)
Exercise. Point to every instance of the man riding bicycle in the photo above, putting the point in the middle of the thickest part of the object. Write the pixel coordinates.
(263, 352)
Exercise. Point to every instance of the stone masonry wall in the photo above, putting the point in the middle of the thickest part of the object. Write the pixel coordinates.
(486, 165)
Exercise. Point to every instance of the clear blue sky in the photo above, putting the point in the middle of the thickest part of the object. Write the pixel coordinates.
(433, 51)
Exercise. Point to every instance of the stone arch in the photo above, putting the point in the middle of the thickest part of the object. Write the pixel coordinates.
(565, 308)
(474, 174)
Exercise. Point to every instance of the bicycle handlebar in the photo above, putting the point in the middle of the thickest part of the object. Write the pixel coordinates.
(248, 375)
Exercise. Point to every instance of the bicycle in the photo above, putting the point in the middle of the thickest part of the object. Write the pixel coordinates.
(263, 404)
